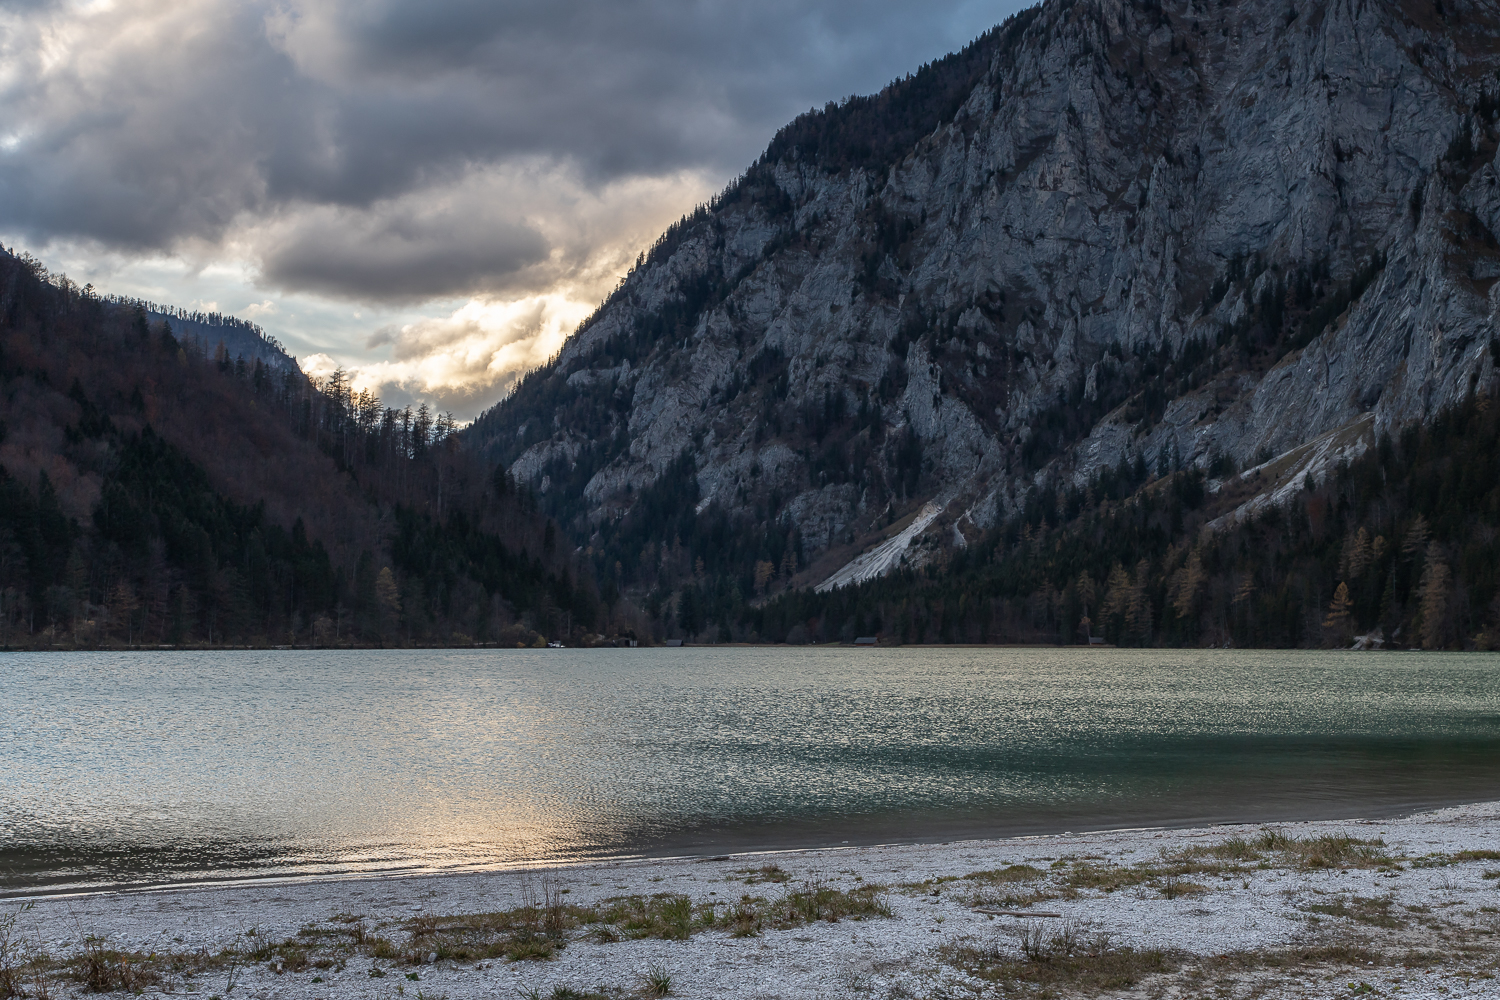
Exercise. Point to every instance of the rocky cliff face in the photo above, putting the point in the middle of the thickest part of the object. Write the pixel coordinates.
(1111, 231)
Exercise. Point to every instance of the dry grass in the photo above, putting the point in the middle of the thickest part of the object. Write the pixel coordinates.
(13, 956)
(1012, 887)
(765, 873)
(1375, 912)
(1010, 873)
(102, 969)
(315, 946)
(1108, 878)
(1014, 899)
(1458, 857)
(1233, 849)
(539, 929)
(821, 902)
(666, 916)
(1323, 954)
(534, 930)
(1166, 875)
(815, 902)
(1327, 851)
(1039, 958)
(567, 993)
(1045, 960)
(1334, 850)
(1172, 886)
(1048, 961)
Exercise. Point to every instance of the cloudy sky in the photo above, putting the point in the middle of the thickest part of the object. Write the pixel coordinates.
(431, 193)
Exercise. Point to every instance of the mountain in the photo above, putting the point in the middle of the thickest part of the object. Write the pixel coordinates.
(155, 489)
(1108, 235)
(240, 338)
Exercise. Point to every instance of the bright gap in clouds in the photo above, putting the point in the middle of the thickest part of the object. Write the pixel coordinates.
(459, 354)
(464, 361)
(429, 193)
(463, 356)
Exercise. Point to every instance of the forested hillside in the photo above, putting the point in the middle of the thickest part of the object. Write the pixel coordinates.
(240, 338)
(1402, 545)
(157, 489)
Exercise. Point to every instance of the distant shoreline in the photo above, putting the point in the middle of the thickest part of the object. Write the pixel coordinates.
(192, 648)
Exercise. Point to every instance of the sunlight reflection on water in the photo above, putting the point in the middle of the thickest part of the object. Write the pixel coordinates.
(148, 768)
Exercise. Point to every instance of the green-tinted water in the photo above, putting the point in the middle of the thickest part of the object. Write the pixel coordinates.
(139, 769)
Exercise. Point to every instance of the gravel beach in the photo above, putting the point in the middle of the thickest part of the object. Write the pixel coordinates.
(1408, 906)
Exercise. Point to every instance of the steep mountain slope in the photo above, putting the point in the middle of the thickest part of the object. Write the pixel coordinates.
(150, 492)
(1111, 233)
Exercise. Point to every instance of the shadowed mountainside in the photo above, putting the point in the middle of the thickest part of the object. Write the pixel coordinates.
(151, 492)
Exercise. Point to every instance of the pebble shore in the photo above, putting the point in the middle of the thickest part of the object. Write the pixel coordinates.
(1447, 910)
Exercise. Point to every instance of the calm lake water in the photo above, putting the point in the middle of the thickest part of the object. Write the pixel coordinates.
(140, 769)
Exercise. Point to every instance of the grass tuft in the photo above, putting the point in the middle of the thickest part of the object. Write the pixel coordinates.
(815, 902)
(1012, 899)
(12, 955)
(1010, 873)
(667, 916)
(1172, 886)
(103, 970)
(1331, 850)
(765, 873)
(566, 993)
(1108, 878)
(1056, 959)
(656, 982)
(1375, 912)
(990, 893)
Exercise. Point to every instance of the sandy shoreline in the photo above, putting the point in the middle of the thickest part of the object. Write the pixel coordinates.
(1425, 915)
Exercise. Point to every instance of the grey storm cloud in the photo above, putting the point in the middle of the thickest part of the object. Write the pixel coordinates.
(335, 132)
(400, 256)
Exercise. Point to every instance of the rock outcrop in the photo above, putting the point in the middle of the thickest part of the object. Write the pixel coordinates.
(1180, 234)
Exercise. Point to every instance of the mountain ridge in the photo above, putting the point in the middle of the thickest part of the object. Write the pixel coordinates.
(1175, 233)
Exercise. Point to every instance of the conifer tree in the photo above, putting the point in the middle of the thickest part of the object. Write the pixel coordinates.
(1436, 585)
(1338, 622)
(1139, 611)
(1117, 596)
(1186, 585)
(388, 597)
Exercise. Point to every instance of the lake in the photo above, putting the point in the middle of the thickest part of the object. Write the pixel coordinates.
(137, 769)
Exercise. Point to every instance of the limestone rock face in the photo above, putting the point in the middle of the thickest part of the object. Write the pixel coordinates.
(1161, 232)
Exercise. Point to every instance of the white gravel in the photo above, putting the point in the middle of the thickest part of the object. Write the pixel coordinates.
(1255, 911)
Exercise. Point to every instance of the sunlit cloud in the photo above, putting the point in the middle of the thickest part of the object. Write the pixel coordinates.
(478, 351)
(428, 192)
(465, 359)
